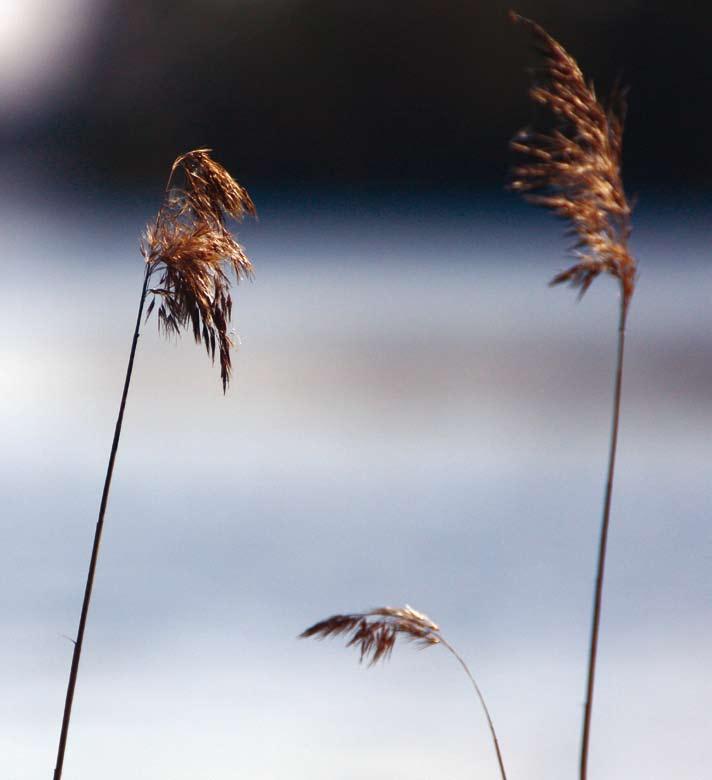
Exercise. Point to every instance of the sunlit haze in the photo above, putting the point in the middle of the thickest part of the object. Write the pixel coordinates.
(41, 48)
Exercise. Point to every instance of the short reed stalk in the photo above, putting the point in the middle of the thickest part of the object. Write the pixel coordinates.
(188, 245)
(575, 170)
(375, 633)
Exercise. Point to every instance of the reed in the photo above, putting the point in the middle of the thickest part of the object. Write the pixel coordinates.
(375, 633)
(189, 250)
(574, 169)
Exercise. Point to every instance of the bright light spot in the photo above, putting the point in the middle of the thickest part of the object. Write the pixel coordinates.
(42, 43)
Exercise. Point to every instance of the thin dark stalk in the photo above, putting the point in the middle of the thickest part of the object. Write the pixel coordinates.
(482, 702)
(97, 541)
(598, 597)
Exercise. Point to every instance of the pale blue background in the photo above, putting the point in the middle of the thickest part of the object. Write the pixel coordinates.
(415, 418)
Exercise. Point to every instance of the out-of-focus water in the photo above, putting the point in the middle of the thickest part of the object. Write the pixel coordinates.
(415, 418)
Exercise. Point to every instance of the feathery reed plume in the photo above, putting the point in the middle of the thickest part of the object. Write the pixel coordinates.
(575, 170)
(375, 633)
(209, 190)
(190, 247)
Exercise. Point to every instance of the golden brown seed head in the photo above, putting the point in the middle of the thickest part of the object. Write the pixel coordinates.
(575, 168)
(375, 632)
(209, 189)
(190, 247)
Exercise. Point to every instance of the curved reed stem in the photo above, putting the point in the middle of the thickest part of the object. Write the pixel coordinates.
(462, 663)
(598, 596)
(375, 633)
(97, 541)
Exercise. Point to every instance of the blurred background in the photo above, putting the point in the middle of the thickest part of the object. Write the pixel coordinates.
(415, 416)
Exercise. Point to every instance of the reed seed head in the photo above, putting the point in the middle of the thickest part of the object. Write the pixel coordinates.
(375, 632)
(191, 250)
(574, 169)
(209, 189)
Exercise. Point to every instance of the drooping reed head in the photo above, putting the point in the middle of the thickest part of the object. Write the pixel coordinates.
(575, 168)
(209, 189)
(191, 250)
(375, 632)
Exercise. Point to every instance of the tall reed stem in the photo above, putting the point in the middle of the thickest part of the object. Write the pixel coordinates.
(598, 596)
(482, 702)
(97, 541)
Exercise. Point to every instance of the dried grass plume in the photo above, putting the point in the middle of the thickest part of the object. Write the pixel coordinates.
(575, 168)
(375, 632)
(191, 250)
